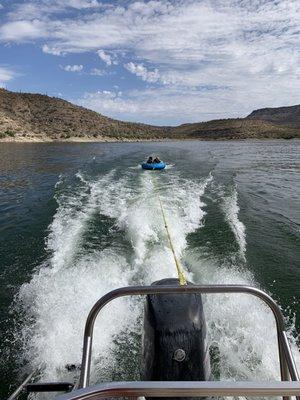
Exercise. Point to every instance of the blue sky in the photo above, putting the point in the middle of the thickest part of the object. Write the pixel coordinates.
(159, 62)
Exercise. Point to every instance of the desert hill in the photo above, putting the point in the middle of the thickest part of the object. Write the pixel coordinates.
(40, 116)
(289, 116)
(36, 117)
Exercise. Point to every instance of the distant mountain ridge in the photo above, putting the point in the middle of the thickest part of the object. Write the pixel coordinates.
(289, 116)
(36, 117)
(238, 128)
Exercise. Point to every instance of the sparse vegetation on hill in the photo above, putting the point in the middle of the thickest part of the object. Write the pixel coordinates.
(240, 128)
(42, 117)
(288, 116)
(29, 117)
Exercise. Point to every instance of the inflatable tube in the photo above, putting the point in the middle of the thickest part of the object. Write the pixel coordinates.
(174, 343)
(160, 165)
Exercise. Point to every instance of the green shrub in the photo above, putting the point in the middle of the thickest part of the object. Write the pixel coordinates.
(9, 133)
(65, 136)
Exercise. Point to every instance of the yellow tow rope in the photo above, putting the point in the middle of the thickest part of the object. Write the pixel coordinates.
(180, 271)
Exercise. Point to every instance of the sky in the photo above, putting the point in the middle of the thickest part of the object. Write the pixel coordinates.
(160, 62)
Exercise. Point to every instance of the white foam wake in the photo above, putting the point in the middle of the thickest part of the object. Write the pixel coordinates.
(240, 325)
(61, 293)
(69, 222)
(232, 209)
(59, 303)
(63, 290)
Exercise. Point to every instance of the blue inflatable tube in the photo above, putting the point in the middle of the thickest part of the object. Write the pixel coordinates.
(160, 165)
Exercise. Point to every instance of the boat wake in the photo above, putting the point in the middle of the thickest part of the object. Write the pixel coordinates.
(108, 232)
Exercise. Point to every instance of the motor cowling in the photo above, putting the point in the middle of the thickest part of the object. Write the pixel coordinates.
(174, 345)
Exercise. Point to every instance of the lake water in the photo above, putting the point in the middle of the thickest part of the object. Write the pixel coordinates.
(77, 220)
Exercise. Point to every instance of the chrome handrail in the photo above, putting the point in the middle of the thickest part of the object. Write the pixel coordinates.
(183, 389)
(19, 390)
(287, 364)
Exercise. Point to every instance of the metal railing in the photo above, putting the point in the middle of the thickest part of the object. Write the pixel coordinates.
(183, 389)
(20, 389)
(288, 368)
(133, 390)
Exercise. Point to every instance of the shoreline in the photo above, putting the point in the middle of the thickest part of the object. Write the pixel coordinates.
(86, 139)
(76, 140)
(106, 139)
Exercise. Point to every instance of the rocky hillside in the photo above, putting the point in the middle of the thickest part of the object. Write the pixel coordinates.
(40, 117)
(29, 117)
(239, 128)
(289, 116)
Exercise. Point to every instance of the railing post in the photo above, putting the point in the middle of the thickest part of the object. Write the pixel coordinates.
(284, 372)
(289, 357)
(290, 364)
(84, 380)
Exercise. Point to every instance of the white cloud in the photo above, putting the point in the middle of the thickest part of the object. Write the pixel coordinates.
(52, 50)
(42, 9)
(141, 71)
(6, 75)
(104, 57)
(80, 4)
(157, 106)
(72, 68)
(108, 103)
(171, 106)
(246, 51)
(107, 58)
(97, 72)
(20, 31)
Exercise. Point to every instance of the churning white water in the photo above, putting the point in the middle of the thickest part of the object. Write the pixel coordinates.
(232, 209)
(62, 291)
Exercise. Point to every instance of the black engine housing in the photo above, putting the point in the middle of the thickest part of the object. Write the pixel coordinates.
(174, 334)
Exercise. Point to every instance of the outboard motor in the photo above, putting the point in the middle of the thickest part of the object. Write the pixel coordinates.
(174, 346)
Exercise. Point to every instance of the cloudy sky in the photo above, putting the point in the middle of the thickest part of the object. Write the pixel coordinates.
(161, 62)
